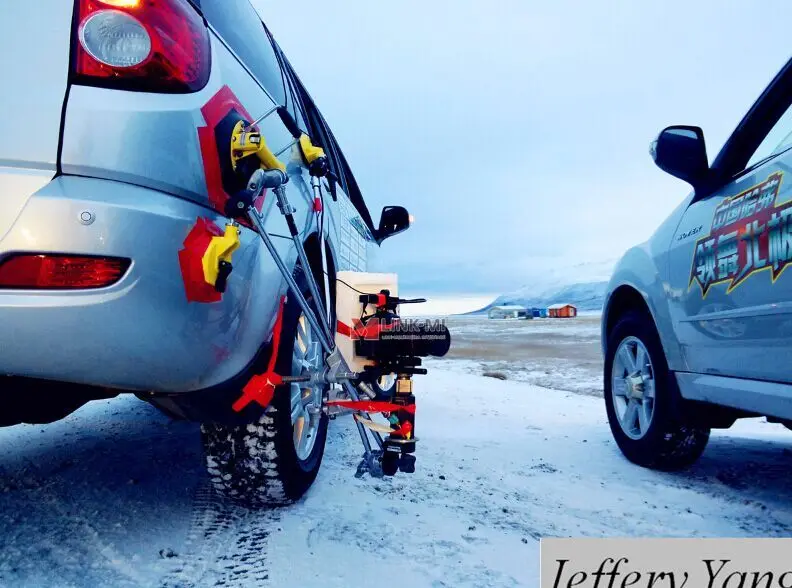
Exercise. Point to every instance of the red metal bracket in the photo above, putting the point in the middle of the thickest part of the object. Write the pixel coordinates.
(261, 387)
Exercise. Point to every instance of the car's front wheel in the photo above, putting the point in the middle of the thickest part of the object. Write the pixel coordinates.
(275, 461)
(642, 404)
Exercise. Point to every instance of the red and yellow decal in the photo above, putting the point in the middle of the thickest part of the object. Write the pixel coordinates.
(750, 232)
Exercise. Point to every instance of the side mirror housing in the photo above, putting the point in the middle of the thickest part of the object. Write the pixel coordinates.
(682, 152)
(394, 220)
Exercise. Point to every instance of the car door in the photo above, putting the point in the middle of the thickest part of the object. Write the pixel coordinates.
(730, 293)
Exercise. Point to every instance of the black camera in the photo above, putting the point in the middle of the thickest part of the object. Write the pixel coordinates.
(386, 338)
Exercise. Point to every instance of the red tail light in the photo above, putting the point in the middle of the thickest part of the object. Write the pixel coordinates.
(146, 45)
(61, 272)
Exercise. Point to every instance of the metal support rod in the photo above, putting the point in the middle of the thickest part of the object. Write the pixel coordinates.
(316, 185)
(364, 437)
(286, 209)
(295, 289)
(327, 344)
(261, 118)
(361, 429)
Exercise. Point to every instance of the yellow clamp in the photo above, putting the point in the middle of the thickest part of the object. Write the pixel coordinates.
(220, 249)
(246, 142)
(310, 151)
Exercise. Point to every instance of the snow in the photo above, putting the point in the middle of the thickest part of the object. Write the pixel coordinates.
(115, 495)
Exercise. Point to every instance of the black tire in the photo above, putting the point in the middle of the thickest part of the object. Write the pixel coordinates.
(257, 464)
(668, 443)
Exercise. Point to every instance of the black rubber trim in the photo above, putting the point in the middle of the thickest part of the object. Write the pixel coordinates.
(67, 93)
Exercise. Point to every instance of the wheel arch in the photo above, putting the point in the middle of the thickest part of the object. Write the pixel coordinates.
(624, 299)
(651, 302)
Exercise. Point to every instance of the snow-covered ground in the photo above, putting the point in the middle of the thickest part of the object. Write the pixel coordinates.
(115, 495)
(562, 354)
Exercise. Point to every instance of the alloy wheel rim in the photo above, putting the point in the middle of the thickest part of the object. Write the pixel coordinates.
(633, 387)
(306, 398)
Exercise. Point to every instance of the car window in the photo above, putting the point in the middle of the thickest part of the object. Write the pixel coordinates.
(779, 139)
(240, 26)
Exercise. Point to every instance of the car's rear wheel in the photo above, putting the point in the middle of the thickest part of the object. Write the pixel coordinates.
(275, 461)
(642, 403)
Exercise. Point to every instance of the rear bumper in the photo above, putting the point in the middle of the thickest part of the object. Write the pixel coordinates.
(141, 333)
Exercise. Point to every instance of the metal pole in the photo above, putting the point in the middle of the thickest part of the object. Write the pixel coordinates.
(309, 315)
(286, 209)
(295, 289)
(361, 429)
(317, 193)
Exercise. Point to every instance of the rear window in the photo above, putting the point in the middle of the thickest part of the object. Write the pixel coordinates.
(240, 26)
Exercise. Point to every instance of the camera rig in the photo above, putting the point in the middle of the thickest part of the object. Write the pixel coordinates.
(384, 346)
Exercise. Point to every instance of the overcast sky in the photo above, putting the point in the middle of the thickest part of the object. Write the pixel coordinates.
(516, 131)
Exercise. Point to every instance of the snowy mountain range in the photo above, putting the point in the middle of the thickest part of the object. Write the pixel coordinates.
(583, 285)
(586, 296)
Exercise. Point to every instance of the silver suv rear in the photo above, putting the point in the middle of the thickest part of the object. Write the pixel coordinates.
(114, 172)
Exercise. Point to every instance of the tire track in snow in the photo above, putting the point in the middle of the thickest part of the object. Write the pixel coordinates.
(72, 541)
(226, 545)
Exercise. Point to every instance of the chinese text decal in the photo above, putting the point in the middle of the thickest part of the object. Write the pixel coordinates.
(749, 233)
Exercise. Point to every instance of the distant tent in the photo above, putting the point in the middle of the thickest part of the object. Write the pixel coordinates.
(509, 312)
(562, 311)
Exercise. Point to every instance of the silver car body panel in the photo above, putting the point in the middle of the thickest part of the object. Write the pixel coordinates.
(644, 268)
(141, 333)
(766, 398)
(17, 184)
(134, 161)
(34, 38)
(743, 331)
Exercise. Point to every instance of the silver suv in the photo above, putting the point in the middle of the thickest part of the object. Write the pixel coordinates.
(115, 170)
(697, 325)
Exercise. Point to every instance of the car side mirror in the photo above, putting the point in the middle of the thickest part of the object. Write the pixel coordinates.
(394, 220)
(682, 152)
